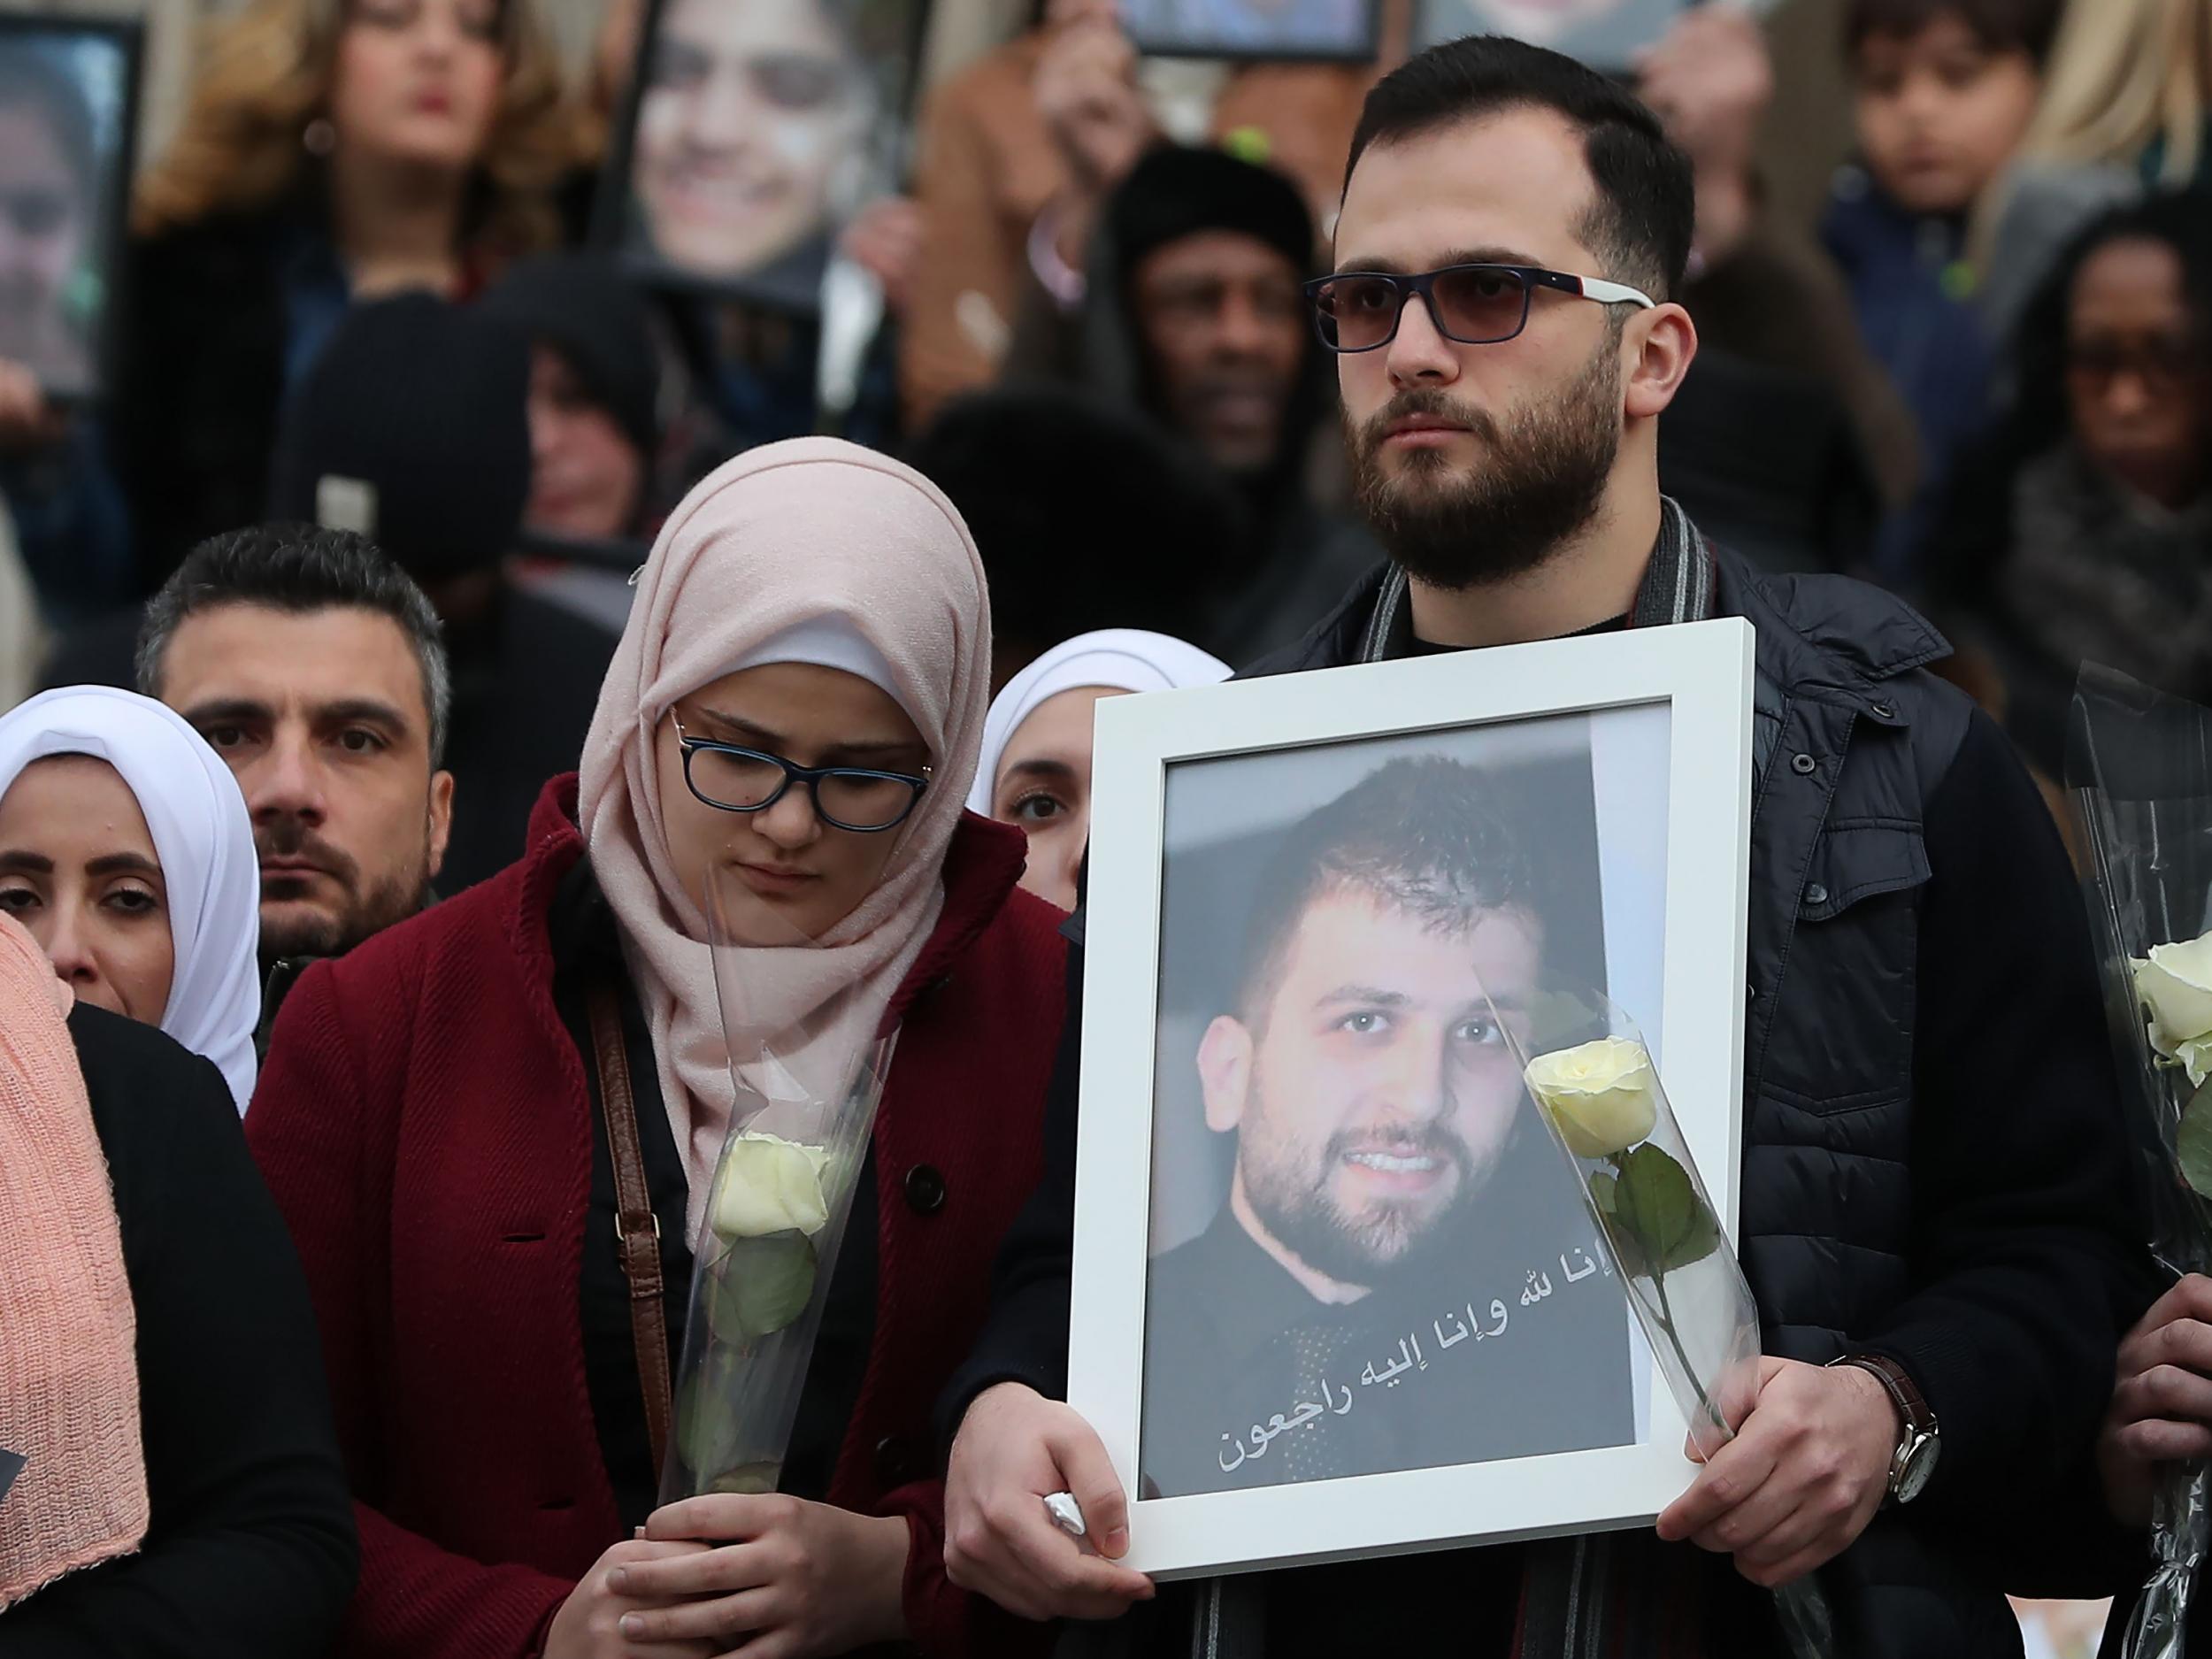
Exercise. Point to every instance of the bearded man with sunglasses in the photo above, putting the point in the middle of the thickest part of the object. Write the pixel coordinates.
(1936, 1215)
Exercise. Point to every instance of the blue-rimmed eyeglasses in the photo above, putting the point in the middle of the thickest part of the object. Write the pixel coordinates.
(1474, 305)
(738, 780)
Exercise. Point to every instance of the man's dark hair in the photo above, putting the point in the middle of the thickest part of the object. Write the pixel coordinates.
(1430, 837)
(299, 568)
(1646, 209)
(2001, 26)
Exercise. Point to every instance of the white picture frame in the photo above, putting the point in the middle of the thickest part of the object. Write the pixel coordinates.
(1703, 675)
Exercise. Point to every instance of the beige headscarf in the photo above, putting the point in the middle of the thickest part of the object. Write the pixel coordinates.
(784, 536)
(68, 1359)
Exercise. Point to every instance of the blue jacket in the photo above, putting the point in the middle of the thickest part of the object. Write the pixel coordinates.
(1916, 314)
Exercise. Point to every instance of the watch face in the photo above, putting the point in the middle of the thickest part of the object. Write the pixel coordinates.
(1914, 1469)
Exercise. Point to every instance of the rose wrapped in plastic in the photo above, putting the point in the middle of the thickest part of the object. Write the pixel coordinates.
(2138, 773)
(1591, 1078)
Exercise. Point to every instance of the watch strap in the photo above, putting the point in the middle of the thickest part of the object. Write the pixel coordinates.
(1912, 1406)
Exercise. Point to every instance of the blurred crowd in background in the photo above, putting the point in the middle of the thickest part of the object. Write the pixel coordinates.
(494, 286)
(1951, 283)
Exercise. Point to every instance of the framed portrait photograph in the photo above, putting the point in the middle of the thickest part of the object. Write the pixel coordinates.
(68, 123)
(1322, 31)
(1336, 1289)
(1606, 35)
(752, 132)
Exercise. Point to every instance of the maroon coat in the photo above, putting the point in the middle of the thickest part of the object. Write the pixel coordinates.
(424, 1122)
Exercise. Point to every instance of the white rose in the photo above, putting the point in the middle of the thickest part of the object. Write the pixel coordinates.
(1603, 1096)
(2176, 986)
(767, 1185)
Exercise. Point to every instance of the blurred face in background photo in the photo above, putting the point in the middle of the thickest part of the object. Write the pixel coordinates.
(77, 868)
(1940, 113)
(587, 477)
(1224, 321)
(2137, 380)
(1370, 1089)
(749, 113)
(417, 82)
(46, 219)
(1043, 788)
(325, 720)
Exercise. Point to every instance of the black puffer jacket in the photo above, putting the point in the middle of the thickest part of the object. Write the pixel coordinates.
(1933, 1164)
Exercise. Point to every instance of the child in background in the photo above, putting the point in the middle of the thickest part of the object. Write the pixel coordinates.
(1944, 90)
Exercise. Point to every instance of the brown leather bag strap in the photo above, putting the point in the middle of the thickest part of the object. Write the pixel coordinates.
(637, 1230)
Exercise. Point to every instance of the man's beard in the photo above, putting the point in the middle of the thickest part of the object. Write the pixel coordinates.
(1389, 1240)
(368, 910)
(1541, 479)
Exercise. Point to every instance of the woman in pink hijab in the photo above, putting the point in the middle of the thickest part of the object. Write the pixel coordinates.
(168, 1480)
(793, 720)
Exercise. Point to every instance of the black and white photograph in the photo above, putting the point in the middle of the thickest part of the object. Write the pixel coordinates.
(1606, 35)
(67, 107)
(1368, 1256)
(1323, 30)
(756, 131)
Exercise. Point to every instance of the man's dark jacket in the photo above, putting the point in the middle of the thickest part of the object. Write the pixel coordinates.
(1932, 1168)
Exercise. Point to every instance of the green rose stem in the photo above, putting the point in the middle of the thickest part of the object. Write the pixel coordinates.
(1666, 1321)
(1645, 1247)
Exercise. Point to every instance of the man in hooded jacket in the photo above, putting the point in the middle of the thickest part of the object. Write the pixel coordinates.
(1192, 318)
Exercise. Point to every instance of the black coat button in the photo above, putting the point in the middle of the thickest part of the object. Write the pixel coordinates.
(924, 1189)
(1883, 710)
(1804, 765)
(1816, 894)
(896, 1462)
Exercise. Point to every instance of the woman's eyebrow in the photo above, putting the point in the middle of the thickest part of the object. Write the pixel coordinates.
(1039, 766)
(123, 864)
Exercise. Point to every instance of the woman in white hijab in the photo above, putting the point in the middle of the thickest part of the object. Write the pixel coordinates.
(126, 850)
(1036, 770)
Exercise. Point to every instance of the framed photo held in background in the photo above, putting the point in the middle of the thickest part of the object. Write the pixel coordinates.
(1606, 35)
(1325, 31)
(1336, 1293)
(752, 132)
(68, 126)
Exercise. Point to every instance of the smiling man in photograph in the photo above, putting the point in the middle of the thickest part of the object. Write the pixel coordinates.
(314, 665)
(1935, 1208)
(1380, 1192)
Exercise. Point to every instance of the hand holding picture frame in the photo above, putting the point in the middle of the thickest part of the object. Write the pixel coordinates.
(68, 120)
(1336, 1292)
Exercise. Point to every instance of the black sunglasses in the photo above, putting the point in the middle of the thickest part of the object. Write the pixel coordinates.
(1474, 305)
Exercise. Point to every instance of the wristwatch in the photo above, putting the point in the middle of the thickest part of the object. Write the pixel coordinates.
(1919, 1442)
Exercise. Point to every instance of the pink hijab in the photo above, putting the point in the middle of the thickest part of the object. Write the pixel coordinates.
(784, 536)
(68, 1364)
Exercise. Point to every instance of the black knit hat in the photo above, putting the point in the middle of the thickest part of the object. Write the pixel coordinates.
(1175, 192)
(581, 306)
(412, 428)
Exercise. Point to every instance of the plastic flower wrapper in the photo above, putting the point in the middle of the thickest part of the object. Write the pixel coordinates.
(1593, 1079)
(2139, 771)
(784, 1187)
